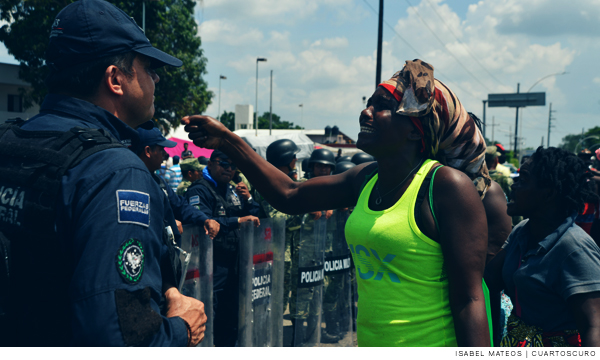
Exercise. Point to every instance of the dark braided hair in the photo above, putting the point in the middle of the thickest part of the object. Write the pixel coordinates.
(566, 173)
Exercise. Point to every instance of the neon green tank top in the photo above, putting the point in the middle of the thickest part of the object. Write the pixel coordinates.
(402, 286)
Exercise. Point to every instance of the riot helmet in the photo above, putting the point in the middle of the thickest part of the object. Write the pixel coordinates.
(281, 152)
(362, 157)
(343, 166)
(321, 156)
(343, 158)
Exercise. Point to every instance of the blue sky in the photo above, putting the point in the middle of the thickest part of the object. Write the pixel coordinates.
(322, 53)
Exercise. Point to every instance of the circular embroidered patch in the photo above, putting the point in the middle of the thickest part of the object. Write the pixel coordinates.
(130, 261)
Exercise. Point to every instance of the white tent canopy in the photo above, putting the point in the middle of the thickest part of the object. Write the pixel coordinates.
(263, 140)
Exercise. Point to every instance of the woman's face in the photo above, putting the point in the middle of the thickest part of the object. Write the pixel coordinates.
(527, 196)
(382, 131)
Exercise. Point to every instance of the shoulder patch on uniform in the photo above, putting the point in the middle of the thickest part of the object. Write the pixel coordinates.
(133, 207)
(130, 261)
(195, 200)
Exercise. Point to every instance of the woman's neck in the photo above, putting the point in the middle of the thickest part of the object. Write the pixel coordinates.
(543, 225)
(393, 170)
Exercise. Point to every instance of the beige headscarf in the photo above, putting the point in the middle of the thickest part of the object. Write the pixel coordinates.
(448, 130)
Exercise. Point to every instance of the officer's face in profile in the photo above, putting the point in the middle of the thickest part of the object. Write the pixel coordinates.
(221, 171)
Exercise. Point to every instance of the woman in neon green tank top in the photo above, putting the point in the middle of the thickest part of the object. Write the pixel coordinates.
(419, 254)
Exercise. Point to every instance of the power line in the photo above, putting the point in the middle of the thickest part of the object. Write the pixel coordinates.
(463, 44)
(444, 47)
(455, 84)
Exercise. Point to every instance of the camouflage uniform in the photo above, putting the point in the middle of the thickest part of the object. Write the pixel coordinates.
(505, 182)
(182, 187)
(187, 165)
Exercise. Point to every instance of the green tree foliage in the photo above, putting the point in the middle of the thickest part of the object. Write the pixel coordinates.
(228, 119)
(570, 141)
(263, 122)
(170, 26)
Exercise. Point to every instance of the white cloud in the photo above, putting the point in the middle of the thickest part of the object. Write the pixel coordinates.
(270, 11)
(596, 80)
(544, 18)
(331, 43)
(228, 33)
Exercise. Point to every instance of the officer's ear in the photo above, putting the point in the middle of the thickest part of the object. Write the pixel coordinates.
(114, 79)
(147, 152)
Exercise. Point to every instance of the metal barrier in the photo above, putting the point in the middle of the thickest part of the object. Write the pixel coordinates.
(336, 322)
(198, 281)
(261, 283)
(307, 282)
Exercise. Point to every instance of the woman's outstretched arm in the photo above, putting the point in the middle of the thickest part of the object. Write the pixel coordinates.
(321, 193)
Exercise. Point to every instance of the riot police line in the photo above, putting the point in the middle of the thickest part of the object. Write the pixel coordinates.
(321, 301)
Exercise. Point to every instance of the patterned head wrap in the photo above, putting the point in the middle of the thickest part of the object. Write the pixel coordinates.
(449, 133)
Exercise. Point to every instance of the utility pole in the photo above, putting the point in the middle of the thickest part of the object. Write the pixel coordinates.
(493, 127)
(517, 124)
(379, 45)
(550, 124)
(510, 137)
(542, 144)
(484, 124)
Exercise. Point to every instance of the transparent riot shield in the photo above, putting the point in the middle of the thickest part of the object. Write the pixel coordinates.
(336, 321)
(261, 283)
(307, 282)
(198, 281)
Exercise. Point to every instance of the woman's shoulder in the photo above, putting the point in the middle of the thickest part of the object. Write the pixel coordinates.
(575, 239)
(450, 179)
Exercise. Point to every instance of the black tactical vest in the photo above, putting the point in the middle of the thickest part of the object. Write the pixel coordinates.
(34, 268)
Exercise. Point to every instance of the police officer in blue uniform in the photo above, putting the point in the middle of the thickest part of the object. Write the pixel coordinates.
(151, 152)
(219, 200)
(110, 212)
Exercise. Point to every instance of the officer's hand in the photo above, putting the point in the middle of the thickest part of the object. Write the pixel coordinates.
(328, 214)
(205, 131)
(250, 218)
(212, 228)
(316, 214)
(242, 190)
(190, 310)
(179, 226)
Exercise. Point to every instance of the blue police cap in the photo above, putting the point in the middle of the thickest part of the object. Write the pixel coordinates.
(90, 29)
(154, 137)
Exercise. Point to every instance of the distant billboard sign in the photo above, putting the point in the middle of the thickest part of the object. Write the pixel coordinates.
(517, 99)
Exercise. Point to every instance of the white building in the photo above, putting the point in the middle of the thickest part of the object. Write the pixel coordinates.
(11, 102)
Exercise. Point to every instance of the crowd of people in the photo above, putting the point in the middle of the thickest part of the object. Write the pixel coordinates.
(466, 254)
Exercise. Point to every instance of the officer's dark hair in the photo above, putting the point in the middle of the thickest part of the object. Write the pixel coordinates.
(141, 149)
(83, 80)
(566, 173)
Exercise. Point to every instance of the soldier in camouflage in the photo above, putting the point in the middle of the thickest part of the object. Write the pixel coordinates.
(191, 170)
(282, 154)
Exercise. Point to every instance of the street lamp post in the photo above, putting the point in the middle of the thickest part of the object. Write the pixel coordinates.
(549, 119)
(271, 106)
(301, 115)
(221, 77)
(256, 108)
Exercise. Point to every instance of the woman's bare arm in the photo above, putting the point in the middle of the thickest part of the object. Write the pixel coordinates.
(321, 193)
(586, 310)
(463, 237)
